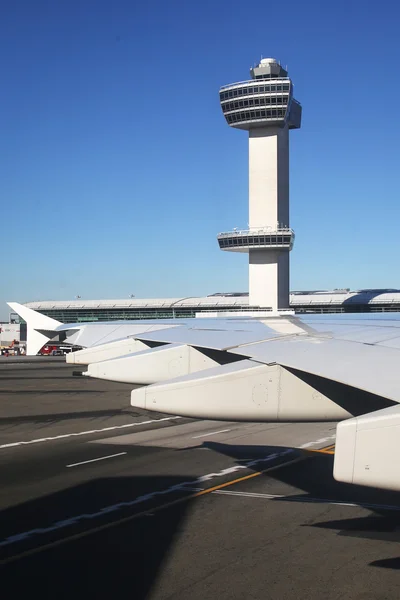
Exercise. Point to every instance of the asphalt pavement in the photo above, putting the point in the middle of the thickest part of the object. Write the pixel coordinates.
(99, 500)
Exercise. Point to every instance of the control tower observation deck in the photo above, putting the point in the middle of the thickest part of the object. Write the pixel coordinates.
(265, 107)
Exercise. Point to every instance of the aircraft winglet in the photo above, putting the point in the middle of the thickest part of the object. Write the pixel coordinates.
(40, 328)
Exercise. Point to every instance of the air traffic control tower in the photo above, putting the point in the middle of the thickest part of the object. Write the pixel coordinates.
(265, 107)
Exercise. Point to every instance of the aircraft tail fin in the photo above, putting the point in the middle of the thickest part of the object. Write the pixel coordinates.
(40, 329)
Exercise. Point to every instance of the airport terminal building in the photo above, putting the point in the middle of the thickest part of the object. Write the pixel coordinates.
(335, 301)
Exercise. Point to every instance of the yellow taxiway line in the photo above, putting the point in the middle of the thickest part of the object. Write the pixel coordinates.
(327, 450)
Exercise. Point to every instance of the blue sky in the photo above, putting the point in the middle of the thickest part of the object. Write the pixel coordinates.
(117, 169)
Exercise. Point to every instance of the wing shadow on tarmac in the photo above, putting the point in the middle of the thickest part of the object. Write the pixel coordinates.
(117, 561)
(387, 563)
(314, 477)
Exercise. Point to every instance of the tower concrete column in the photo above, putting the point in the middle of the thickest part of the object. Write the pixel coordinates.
(269, 279)
(269, 177)
(269, 207)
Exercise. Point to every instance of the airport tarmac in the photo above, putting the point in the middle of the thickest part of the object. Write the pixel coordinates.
(99, 500)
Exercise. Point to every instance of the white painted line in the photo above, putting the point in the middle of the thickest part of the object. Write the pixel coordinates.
(91, 431)
(320, 441)
(185, 486)
(307, 445)
(249, 494)
(212, 433)
(307, 499)
(85, 462)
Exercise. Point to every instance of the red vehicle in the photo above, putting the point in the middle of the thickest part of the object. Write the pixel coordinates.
(54, 350)
(49, 350)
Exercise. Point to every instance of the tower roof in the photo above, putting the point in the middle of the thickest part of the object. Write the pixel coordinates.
(267, 61)
(268, 68)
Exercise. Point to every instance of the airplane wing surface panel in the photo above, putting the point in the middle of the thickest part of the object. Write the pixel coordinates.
(89, 334)
(353, 318)
(367, 331)
(215, 340)
(371, 368)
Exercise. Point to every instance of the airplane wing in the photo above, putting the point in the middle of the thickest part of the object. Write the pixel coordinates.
(286, 369)
(310, 368)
